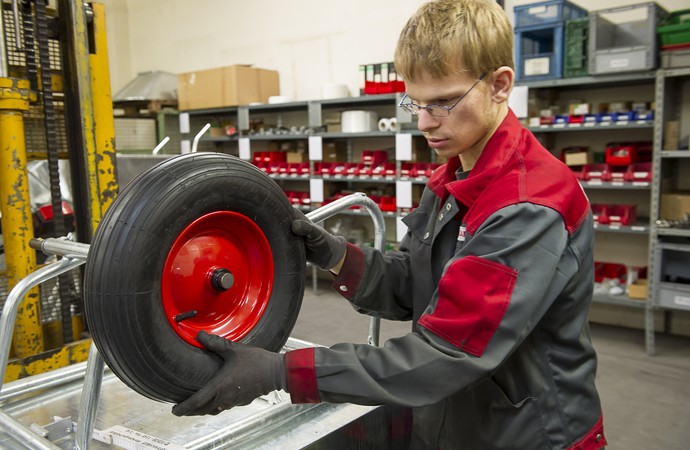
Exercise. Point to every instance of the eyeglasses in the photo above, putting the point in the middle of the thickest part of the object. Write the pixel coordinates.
(435, 110)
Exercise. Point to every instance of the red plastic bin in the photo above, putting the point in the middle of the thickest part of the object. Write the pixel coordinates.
(599, 171)
(639, 172)
(626, 153)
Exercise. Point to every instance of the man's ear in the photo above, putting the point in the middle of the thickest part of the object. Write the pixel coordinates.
(502, 83)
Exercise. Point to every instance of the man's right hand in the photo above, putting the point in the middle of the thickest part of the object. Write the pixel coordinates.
(323, 249)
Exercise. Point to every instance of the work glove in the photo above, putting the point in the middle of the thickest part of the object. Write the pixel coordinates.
(323, 249)
(247, 373)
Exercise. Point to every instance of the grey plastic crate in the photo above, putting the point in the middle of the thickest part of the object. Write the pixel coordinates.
(623, 39)
(671, 272)
(672, 59)
(674, 295)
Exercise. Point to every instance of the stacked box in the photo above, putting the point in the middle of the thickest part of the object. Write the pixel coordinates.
(674, 38)
(576, 63)
(623, 39)
(539, 38)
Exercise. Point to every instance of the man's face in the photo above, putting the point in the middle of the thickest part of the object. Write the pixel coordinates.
(471, 122)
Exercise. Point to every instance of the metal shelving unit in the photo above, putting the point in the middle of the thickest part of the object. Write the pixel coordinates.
(669, 105)
(589, 86)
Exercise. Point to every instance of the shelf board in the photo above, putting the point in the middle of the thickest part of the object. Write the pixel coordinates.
(679, 232)
(365, 99)
(619, 300)
(224, 110)
(278, 137)
(675, 154)
(217, 139)
(368, 134)
(593, 127)
(593, 81)
(622, 185)
(358, 179)
(626, 229)
(678, 72)
(279, 107)
(290, 177)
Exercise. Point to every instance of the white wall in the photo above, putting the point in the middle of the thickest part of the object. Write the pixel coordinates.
(310, 42)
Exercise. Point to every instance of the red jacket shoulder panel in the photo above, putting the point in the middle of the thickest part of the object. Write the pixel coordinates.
(515, 168)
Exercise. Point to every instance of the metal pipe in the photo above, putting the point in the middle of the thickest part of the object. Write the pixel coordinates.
(61, 247)
(160, 145)
(195, 143)
(90, 395)
(372, 208)
(14, 298)
(43, 381)
(24, 435)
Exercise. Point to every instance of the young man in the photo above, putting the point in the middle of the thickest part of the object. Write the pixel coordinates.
(496, 270)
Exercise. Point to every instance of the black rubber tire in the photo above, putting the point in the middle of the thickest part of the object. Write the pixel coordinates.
(122, 285)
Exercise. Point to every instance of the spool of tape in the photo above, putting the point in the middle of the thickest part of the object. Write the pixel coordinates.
(384, 124)
(358, 121)
(335, 90)
(393, 126)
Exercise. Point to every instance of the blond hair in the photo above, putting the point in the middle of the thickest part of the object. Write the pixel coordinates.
(446, 37)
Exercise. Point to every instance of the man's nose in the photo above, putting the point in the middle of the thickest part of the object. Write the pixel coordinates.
(425, 121)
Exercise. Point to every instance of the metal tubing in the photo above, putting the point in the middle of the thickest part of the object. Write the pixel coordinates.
(43, 381)
(24, 435)
(341, 204)
(61, 247)
(90, 395)
(9, 311)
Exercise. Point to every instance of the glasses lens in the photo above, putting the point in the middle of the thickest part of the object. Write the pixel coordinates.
(438, 111)
(409, 108)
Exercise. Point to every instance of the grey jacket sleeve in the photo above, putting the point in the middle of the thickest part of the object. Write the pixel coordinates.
(523, 247)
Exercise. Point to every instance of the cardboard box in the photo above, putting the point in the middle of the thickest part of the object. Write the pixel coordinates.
(577, 158)
(296, 156)
(225, 86)
(674, 206)
(638, 289)
(334, 152)
(672, 135)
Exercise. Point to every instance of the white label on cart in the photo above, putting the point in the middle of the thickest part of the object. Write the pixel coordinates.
(134, 440)
(681, 301)
(537, 66)
(620, 63)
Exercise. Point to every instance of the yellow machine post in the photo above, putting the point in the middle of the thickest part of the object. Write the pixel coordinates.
(104, 132)
(17, 225)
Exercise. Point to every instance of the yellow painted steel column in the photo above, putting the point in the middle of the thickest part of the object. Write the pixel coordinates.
(105, 155)
(17, 225)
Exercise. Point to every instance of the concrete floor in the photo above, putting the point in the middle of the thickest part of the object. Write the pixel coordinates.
(646, 400)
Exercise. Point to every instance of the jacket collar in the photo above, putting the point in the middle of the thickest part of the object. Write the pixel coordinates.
(500, 146)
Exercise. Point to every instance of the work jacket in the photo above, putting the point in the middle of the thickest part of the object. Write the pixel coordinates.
(496, 274)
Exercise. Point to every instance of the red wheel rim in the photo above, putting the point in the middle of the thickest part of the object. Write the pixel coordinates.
(198, 294)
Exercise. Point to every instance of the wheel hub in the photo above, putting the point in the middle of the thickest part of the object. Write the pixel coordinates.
(218, 277)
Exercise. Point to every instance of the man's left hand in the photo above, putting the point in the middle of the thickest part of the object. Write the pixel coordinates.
(247, 373)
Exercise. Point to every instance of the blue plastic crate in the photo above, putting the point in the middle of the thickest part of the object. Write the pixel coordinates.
(539, 53)
(547, 13)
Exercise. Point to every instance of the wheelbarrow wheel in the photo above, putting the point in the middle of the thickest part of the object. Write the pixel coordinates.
(198, 242)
